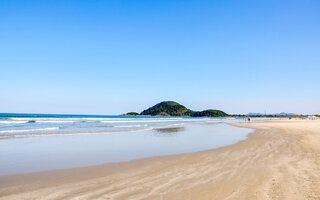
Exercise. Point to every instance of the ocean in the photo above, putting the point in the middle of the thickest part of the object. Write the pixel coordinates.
(31, 125)
(41, 142)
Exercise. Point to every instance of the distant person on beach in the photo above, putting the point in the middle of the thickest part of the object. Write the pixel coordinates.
(248, 119)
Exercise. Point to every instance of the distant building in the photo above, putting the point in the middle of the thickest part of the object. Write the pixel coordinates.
(312, 117)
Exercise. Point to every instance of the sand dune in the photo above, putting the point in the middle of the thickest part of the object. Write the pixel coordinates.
(281, 160)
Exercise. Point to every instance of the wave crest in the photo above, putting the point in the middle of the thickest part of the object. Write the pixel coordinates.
(30, 130)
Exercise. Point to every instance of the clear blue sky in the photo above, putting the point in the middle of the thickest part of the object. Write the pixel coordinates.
(110, 57)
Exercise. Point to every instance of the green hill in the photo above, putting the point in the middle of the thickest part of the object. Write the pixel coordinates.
(167, 108)
(132, 114)
(171, 108)
(210, 113)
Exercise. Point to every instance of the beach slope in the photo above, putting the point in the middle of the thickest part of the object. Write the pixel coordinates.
(281, 160)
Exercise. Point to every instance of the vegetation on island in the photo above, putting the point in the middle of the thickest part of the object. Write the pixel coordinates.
(171, 108)
(210, 113)
(132, 114)
(167, 108)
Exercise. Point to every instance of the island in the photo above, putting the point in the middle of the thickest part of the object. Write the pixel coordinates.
(172, 108)
(131, 114)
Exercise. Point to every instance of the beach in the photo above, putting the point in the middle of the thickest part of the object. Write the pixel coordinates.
(280, 160)
(90, 141)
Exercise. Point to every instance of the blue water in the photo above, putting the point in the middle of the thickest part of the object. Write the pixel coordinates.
(31, 143)
(30, 125)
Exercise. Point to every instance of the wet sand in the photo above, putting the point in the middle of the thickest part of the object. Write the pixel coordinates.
(281, 160)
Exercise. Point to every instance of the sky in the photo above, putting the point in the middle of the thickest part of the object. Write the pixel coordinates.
(112, 57)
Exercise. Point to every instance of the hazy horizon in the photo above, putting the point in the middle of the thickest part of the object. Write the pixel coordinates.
(114, 57)
(258, 112)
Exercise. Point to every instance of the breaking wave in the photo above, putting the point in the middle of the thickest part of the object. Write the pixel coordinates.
(30, 130)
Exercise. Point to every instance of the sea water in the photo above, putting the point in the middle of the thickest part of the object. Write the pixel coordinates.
(31, 143)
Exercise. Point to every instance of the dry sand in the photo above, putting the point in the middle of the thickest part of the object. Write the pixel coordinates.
(279, 161)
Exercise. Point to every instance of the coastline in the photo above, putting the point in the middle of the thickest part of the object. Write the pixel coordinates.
(18, 156)
(278, 161)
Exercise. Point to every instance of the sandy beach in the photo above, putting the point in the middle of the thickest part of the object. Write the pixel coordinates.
(281, 160)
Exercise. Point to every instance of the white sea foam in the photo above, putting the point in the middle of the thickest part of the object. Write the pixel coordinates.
(88, 118)
(13, 122)
(135, 121)
(75, 133)
(55, 121)
(131, 126)
(30, 130)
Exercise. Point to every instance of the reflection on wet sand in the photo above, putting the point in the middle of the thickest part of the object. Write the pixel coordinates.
(19, 155)
(170, 130)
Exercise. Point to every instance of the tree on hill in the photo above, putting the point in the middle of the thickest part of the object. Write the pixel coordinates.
(210, 113)
(167, 108)
(171, 108)
(132, 113)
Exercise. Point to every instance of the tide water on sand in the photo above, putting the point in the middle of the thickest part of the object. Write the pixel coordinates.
(90, 140)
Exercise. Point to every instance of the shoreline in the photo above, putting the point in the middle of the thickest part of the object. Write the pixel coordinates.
(259, 167)
(20, 156)
(107, 164)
